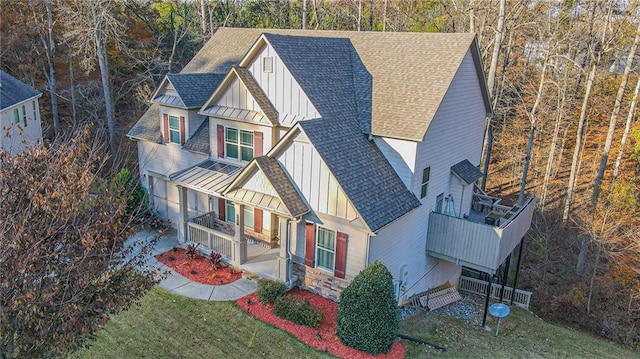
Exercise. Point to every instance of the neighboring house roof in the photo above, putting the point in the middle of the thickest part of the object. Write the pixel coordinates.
(364, 174)
(466, 171)
(193, 89)
(148, 126)
(209, 176)
(199, 141)
(411, 72)
(14, 91)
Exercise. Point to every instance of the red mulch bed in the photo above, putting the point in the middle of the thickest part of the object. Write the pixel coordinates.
(199, 268)
(327, 341)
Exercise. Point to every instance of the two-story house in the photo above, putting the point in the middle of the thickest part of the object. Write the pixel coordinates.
(19, 115)
(329, 150)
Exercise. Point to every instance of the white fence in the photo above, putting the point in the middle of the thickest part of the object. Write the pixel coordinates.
(212, 239)
(522, 298)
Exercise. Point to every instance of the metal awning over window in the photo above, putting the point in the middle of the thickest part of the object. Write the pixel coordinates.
(209, 176)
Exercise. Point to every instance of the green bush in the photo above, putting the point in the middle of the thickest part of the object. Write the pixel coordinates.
(298, 310)
(268, 290)
(368, 315)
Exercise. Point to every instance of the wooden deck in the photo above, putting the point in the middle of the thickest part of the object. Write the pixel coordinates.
(483, 239)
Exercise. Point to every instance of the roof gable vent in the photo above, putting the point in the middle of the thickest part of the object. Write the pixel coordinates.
(267, 64)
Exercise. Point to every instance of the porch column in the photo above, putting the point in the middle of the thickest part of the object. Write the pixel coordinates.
(239, 244)
(183, 219)
(282, 269)
(486, 301)
(515, 280)
(150, 191)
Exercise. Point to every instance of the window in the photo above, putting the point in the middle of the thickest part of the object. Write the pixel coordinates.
(35, 111)
(16, 115)
(248, 217)
(326, 248)
(231, 212)
(24, 116)
(239, 144)
(439, 201)
(174, 129)
(425, 182)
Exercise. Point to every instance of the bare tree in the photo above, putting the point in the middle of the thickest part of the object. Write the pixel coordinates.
(627, 128)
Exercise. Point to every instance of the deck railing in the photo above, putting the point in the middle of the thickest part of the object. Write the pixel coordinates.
(521, 299)
(204, 230)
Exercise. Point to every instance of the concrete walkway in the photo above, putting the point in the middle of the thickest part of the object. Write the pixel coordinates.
(177, 284)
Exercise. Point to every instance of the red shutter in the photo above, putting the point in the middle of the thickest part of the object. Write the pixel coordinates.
(310, 245)
(166, 128)
(222, 205)
(220, 141)
(257, 144)
(182, 134)
(257, 220)
(341, 255)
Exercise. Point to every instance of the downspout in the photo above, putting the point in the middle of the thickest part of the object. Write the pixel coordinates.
(289, 282)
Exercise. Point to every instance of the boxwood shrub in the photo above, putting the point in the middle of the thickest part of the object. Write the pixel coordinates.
(268, 290)
(368, 315)
(298, 310)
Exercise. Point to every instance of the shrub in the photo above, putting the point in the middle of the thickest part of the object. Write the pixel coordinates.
(192, 250)
(268, 290)
(298, 310)
(368, 316)
(215, 258)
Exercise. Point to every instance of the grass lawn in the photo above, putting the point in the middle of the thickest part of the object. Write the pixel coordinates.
(168, 326)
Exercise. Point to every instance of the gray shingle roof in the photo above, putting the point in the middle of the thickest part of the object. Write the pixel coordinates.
(410, 72)
(281, 183)
(195, 88)
(148, 126)
(466, 171)
(365, 175)
(323, 68)
(257, 93)
(14, 91)
(199, 141)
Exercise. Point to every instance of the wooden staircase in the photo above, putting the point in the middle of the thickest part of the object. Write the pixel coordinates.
(440, 298)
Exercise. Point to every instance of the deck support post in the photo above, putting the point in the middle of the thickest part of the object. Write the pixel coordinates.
(505, 276)
(486, 301)
(515, 279)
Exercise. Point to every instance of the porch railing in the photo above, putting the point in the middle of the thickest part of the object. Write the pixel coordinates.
(202, 230)
(521, 299)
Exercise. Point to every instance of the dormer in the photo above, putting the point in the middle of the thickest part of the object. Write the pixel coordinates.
(180, 96)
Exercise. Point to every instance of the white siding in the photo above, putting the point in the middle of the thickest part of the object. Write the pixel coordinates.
(281, 88)
(267, 142)
(236, 95)
(401, 155)
(315, 182)
(456, 191)
(455, 134)
(16, 137)
(164, 159)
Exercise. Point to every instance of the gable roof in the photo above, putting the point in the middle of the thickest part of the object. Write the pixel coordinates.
(14, 91)
(467, 172)
(410, 72)
(148, 126)
(199, 141)
(193, 89)
(364, 174)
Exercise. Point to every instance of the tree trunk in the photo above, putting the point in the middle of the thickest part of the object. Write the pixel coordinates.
(203, 17)
(552, 149)
(304, 14)
(74, 113)
(359, 14)
(103, 61)
(593, 277)
(614, 118)
(627, 128)
(384, 16)
(472, 16)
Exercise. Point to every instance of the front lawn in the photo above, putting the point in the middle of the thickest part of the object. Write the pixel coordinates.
(168, 326)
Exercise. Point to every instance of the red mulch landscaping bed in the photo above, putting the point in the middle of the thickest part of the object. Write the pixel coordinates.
(199, 268)
(322, 338)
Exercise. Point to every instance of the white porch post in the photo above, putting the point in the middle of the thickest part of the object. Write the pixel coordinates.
(184, 214)
(239, 243)
(282, 269)
(150, 191)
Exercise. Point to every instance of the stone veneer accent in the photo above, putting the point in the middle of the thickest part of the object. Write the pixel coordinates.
(319, 281)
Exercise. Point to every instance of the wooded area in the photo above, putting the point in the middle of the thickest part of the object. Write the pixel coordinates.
(563, 77)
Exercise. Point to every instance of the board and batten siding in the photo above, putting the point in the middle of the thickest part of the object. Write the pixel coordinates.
(267, 139)
(15, 137)
(281, 88)
(314, 180)
(455, 134)
(401, 154)
(403, 242)
(236, 95)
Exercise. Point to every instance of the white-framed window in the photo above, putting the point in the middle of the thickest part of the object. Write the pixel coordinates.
(425, 182)
(238, 144)
(35, 111)
(174, 129)
(16, 116)
(325, 249)
(267, 64)
(248, 217)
